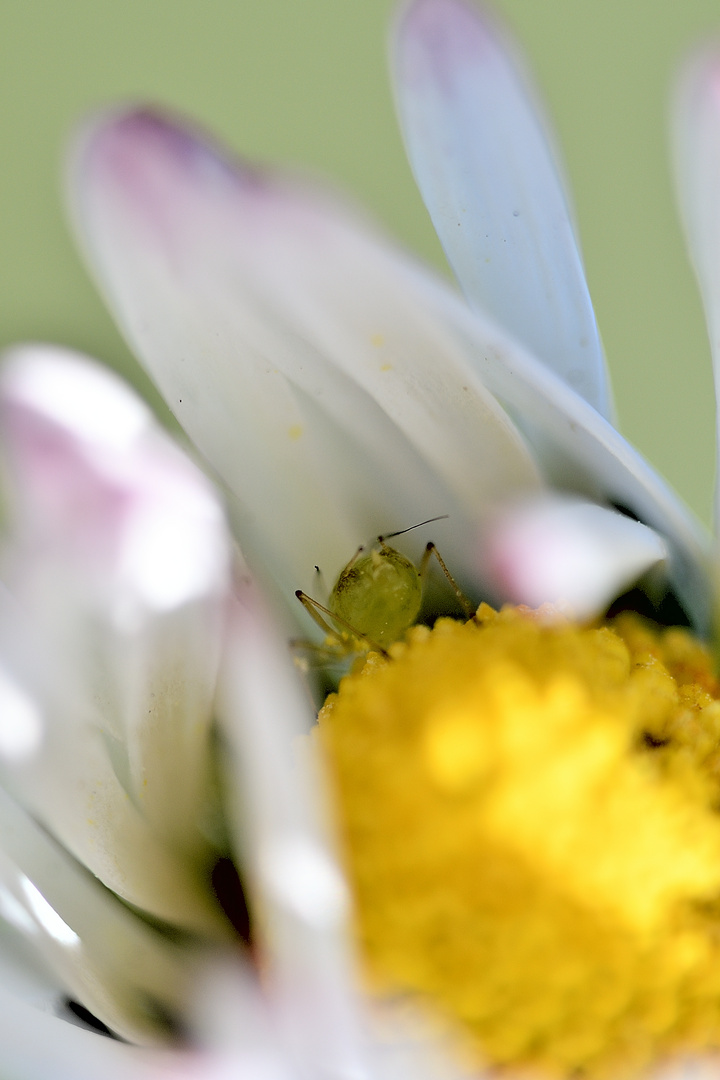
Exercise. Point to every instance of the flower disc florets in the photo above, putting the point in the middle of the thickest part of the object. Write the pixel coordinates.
(531, 827)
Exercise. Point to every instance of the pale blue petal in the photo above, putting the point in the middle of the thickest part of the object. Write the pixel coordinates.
(696, 133)
(581, 452)
(487, 172)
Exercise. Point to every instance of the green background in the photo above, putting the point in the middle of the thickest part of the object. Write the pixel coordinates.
(304, 81)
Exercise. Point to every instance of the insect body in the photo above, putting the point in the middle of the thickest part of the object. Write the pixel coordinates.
(378, 594)
(376, 598)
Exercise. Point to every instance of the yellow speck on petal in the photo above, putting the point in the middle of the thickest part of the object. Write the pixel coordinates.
(377, 340)
(531, 826)
(295, 431)
(386, 367)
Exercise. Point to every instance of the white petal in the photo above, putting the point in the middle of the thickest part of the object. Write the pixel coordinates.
(581, 452)
(119, 569)
(125, 973)
(291, 345)
(573, 554)
(235, 1024)
(482, 160)
(94, 475)
(687, 1068)
(36, 1046)
(295, 885)
(76, 782)
(696, 132)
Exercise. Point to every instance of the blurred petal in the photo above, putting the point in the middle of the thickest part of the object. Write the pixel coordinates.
(118, 565)
(95, 476)
(692, 1068)
(296, 887)
(292, 345)
(36, 1046)
(696, 132)
(481, 157)
(297, 891)
(235, 1025)
(571, 553)
(582, 453)
(129, 976)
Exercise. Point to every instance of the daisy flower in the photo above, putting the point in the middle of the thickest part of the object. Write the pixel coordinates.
(525, 802)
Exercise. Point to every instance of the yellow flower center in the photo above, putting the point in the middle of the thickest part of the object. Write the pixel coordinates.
(530, 816)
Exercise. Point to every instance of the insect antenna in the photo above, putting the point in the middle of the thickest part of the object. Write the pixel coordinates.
(400, 532)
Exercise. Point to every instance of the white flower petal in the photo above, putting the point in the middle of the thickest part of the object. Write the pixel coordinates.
(24, 972)
(574, 554)
(688, 1068)
(21, 721)
(291, 345)
(296, 889)
(119, 568)
(482, 160)
(234, 1023)
(36, 1046)
(94, 475)
(124, 972)
(696, 132)
(77, 783)
(295, 886)
(581, 452)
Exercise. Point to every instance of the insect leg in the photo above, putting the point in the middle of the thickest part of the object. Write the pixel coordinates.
(313, 609)
(316, 612)
(430, 550)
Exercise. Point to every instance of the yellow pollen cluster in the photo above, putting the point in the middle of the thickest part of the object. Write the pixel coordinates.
(530, 817)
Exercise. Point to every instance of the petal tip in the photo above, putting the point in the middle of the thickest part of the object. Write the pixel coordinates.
(562, 550)
(435, 37)
(150, 156)
(120, 139)
(702, 69)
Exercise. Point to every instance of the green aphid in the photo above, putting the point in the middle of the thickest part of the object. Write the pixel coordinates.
(376, 598)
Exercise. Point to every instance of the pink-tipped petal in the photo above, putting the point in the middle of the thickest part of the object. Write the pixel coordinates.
(291, 344)
(93, 476)
(118, 565)
(696, 136)
(482, 159)
(575, 555)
